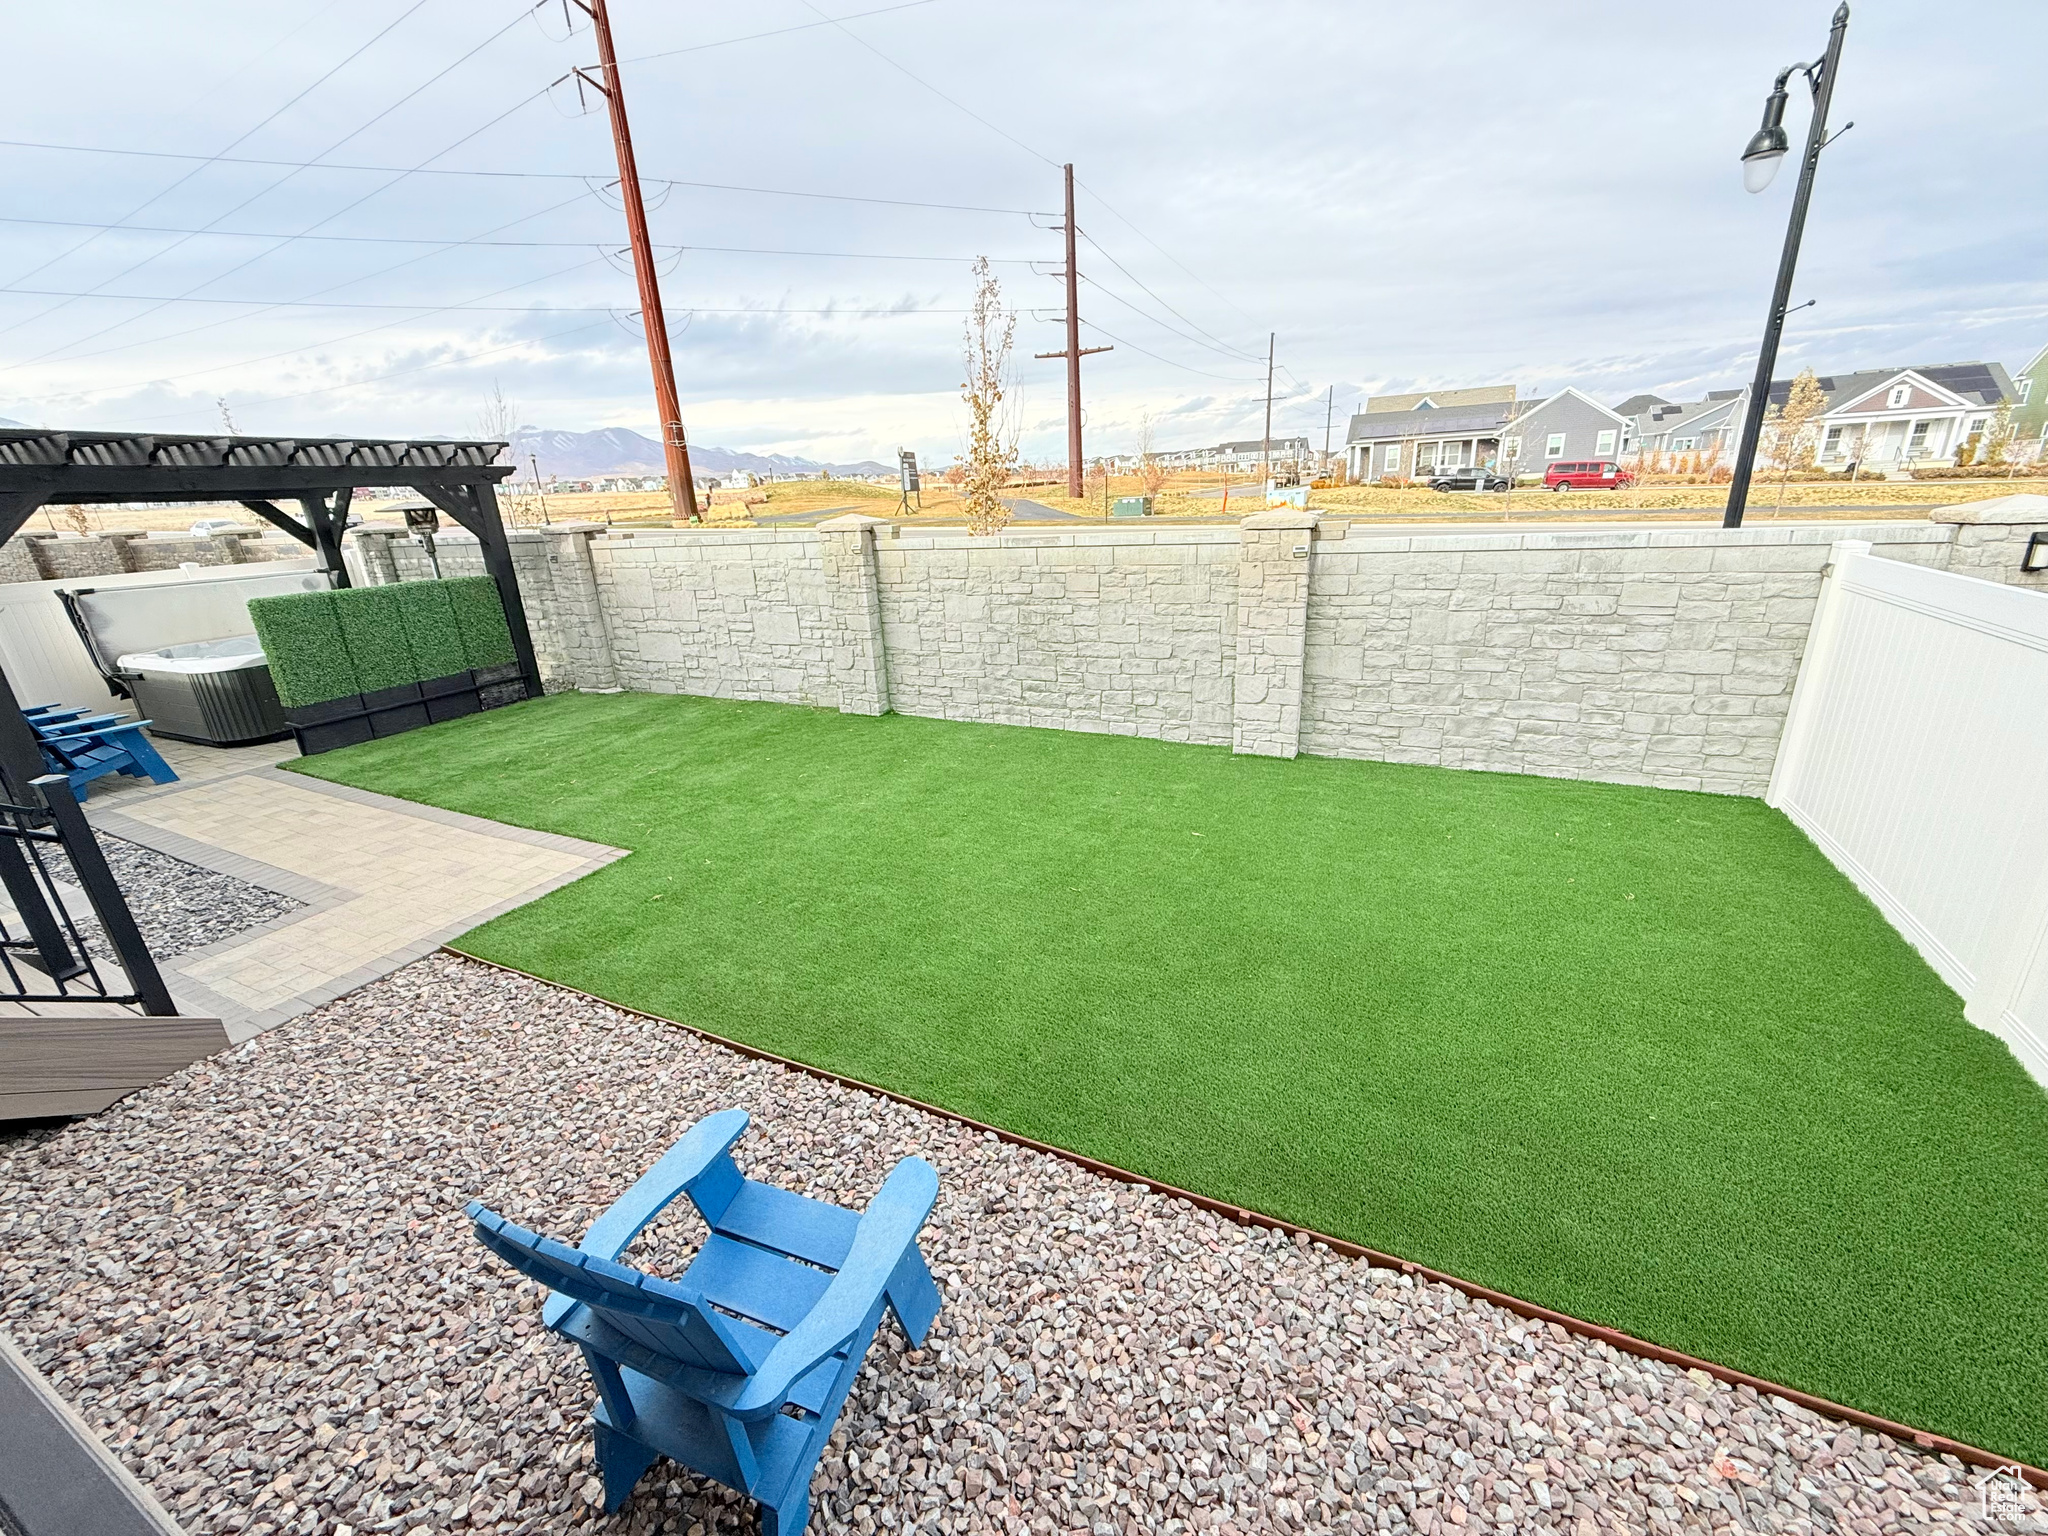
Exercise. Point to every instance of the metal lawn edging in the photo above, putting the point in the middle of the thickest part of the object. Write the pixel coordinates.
(1920, 1439)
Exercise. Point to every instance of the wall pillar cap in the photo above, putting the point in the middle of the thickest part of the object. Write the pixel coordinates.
(853, 522)
(575, 527)
(1998, 509)
(1287, 519)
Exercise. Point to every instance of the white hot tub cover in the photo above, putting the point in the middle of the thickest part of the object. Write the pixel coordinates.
(229, 655)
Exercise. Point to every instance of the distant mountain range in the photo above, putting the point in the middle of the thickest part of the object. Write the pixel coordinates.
(621, 451)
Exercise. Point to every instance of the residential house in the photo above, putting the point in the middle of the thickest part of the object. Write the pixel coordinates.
(2030, 401)
(1894, 418)
(1883, 418)
(1707, 425)
(1562, 428)
(1241, 458)
(1410, 435)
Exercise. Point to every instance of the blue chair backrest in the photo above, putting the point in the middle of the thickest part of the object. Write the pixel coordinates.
(671, 1320)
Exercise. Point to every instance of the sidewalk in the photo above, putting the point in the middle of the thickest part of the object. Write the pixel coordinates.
(384, 881)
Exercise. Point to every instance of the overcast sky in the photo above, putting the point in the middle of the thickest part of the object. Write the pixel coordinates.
(1409, 196)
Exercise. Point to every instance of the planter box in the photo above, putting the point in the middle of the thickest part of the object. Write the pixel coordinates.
(361, 717)
(329, 724)
(450, 697)
(394, 711)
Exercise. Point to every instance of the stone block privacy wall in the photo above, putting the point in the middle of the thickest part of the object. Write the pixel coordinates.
(1649, 655)
(44, 556)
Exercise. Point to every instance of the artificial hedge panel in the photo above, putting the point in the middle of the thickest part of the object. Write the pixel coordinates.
(302, 640)
(481, 618)
(374, 632)
(431, 631)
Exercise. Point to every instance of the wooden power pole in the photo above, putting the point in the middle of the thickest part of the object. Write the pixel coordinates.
(1329, 416)
(1074, 351)
(1266, 442)
(682, 490)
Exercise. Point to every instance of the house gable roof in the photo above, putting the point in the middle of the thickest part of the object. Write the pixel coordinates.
(1441, 399)
(1922, 394)
(1394, 426)
(1636, 405)
(1536, 408)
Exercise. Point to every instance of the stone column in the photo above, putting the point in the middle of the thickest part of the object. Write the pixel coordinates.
(1274, 556)
(568, 617)
(1991, 538)
(853, 597)
(373, 549)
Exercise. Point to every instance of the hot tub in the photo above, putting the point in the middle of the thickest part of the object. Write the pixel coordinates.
(213, 691)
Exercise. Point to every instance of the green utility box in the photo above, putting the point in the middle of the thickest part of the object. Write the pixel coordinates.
(1131, 506)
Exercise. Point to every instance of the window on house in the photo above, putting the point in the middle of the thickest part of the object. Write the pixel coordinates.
(1898, 397)
(1604, 446)
(1917, 444)
(2026, 389)
(1511, 450)
(1976, 425)
(1391, 459)
(1832, 447)
(1425, 457)
(1554, 448)
(1684, 444)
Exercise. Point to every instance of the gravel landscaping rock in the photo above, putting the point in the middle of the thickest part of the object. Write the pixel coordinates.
(180, 907)
(255, 1280)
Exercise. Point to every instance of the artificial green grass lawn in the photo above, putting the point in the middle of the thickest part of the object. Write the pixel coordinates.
(1640, 1055)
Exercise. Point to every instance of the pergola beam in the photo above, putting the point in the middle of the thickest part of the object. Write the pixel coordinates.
(475, 507)
(271, 513)
(321, 474)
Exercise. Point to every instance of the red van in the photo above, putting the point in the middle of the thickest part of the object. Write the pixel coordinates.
(1586, 475)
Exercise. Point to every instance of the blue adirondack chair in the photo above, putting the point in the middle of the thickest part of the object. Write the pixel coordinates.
(738, 1369)
(84, 749)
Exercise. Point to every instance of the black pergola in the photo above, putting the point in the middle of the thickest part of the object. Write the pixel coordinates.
(320, 474)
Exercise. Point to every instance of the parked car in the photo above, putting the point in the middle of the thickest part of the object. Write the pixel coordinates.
(1471, 478)
(206, 527)
(1586, 475)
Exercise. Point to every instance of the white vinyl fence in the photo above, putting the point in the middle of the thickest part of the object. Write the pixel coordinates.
(1916, 756)
(46, 661)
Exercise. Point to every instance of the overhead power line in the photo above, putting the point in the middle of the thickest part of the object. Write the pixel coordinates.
(802, 26)
(516, 309)
(324, 342)
(451, 241)
(586, 177)
(206, 160)
(395, 266)
(1038, 154)
(352, 133)
(1170, 362)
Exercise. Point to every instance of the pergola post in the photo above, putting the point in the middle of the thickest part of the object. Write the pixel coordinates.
(475, 507)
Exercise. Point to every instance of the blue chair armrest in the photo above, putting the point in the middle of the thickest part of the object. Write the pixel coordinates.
(87, 730)
(73, 724)
(701, 1158)
(887, 1237)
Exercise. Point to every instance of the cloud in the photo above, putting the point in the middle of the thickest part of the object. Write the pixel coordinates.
(1561, 205)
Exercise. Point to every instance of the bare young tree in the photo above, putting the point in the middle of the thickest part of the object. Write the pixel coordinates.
(991, 433)
(498, 420)
(1790, 429)
(1997, 438)
(1151, 473)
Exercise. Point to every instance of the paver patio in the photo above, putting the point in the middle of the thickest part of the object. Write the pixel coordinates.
(383, 881)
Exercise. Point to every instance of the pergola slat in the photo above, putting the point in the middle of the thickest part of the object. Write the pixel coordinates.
(39, 467)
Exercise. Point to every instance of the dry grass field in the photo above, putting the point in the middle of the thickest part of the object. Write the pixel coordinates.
(1183, 498)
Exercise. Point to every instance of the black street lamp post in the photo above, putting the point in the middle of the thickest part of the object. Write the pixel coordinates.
(1759, 165)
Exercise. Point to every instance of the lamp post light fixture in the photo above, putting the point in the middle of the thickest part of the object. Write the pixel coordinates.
(1761, 158)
